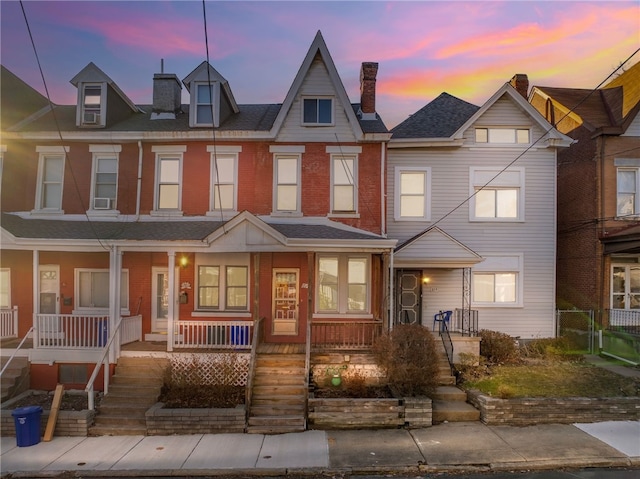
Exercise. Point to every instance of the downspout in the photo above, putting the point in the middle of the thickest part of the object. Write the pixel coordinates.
(600, 232)
(383, 203)
(392, 308)
(139, 182)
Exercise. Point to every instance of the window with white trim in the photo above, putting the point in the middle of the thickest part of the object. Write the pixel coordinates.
(412, 194)
(222, 282)
(50, 178)
(5, 288)
(204, 104)
(104, 186)
(496, 195)
(521, 136)
(92, 289)
(168, 188)
(344, 178)
(224, 182)
(497, 281)
(627, 192)
(92, 100)
(343, 284)
(317, 111)
(287, 183)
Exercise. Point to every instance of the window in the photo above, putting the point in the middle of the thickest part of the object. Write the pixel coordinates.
(343, 284)
(497, 281)
(503, 135)
(105, 176)
(627, 192)
(412, 194)
(287, 179)
(317, 111)
(344, 179)
(204, 104)
(496, 195)
(168, 193)
(92, 289)
(223, 282)
(5, 288)
(91, 105)
(224, 178)
(50, 178)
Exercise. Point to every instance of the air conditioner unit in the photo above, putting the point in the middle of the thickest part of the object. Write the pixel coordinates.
(102, 203)
(90, 118)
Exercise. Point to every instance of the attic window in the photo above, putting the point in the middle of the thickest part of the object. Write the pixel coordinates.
(204, 104)
(503, 135)
(317, 111)
(91, 105)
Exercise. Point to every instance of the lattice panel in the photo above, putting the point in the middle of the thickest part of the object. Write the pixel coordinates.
(210, 369)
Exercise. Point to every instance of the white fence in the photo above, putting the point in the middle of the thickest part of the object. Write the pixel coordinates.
(213, 334)
(71, 331)
(131, 329)
(9, 323)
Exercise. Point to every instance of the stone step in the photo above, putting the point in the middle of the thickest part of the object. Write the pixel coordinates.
(114, 430)
(133, 409)
(446, 380)
(449, 393)
(116, 420)
(454, 411)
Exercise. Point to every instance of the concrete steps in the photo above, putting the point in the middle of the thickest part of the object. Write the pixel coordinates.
(15, 379)
(278, 394)
(134, 388)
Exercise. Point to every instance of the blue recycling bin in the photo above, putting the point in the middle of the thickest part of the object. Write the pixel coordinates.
(238, 334)
(27, 422)
(103, 332)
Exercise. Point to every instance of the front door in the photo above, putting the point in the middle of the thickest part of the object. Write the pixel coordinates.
(160, 299)
(408, 298)
(285, 301)
(49, 289)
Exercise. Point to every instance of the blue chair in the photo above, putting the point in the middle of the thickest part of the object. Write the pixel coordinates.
(442, 317)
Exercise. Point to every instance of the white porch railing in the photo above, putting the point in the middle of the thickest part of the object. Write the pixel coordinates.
(624, 318)
(213, 334)
(71, 331)
(131, 329)
(9, 323)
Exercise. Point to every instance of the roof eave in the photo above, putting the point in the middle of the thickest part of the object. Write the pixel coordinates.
(425, 142)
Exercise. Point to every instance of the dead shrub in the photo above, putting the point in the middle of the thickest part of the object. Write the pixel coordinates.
(409, 359)
(470, 367)
(498, 348)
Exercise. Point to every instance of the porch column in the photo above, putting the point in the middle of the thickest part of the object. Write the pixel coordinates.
(115, 287)
(392, 308)
(36, 295)
(386, 276)
(171, 307)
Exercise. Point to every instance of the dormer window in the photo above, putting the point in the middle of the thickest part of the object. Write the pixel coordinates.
(92, 112)
(317, 111)
(204, 105)
(518, 136)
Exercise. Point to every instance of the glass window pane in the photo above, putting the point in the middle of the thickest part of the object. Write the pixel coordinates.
(357, 297)
(168, 197)
(208, 275)
(310, 113)
(324, 111)
(236, 275)
(4, 289)
(357, 270)
(482, 135)
(522, 136)
(505, 288)
(626, 204)
(328, 284)
(53, 167)
(626, 181)
(507, 203)
(343, 198)
(52, 196)
(412, 183)
(205, 114)
(287, 198)
(100, 289)
(343, 171)
(169, 170)
(287, 170)
(223, 197)
(107, 165)
(486, 203)
(502, 135)
(483, 287)
(224, 169)
(92, 96)
(412, 207)
(105, 191)
(205, 93)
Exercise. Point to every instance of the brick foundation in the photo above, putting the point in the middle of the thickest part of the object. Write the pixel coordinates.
(163, 422)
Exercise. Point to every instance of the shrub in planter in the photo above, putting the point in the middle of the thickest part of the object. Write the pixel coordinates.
(409, 358)
(498, 348)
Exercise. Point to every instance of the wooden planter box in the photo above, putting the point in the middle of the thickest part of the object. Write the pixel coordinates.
(163, 422)
(529, 411)
(349, 413)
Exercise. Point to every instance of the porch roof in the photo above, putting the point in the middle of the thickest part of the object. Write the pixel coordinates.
(434, 248)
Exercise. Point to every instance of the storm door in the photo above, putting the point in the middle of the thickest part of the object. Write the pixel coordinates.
(625, 286)
(409, 296)
(285, 301)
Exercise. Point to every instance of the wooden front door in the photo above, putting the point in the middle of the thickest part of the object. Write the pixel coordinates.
(286, 301)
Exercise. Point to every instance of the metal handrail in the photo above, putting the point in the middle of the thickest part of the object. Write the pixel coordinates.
(307, 365)
(16, 351)
(448, 344)
(103, 358)
(252, 363)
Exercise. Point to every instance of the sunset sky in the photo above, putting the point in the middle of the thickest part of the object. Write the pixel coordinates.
(468, 49)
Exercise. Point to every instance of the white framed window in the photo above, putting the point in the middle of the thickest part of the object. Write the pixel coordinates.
(496, 195)
(92, 100)
(286, 191)
(104, 183)
(344, 283)
(317, 111)
(224, 178)
(625, 283)
(344, 178)
(92, 289)
(5, 288)
(505, 136)
(222, 282)
(50, 178)
(497, 281)
(627, 197)
(412, 200)
(204, 104)
(168, 187)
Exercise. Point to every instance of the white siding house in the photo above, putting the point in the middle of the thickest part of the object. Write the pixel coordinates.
(472, 195)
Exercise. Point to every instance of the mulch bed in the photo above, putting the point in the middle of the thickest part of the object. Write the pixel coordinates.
(177, 397)
(70, 402)
(370, 392)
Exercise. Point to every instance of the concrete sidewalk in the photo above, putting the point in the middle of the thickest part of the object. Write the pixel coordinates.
(445, 447)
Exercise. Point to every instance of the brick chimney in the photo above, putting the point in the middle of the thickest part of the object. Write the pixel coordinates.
(167, 95)
(520, 82)
(368, 74)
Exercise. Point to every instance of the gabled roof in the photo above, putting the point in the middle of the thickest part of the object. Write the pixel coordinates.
(629, 80)
(200, 73)
(318, 47)
(91, 73)
(18, 100)
(434, 248)
(440, 118)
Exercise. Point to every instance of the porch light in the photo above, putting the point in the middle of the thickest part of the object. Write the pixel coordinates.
(426, 280)
(184, 261)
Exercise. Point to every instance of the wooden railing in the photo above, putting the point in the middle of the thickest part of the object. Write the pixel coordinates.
(131, 329)
(627, 320)
(71, 331)
(255, 342)
(348, 334)
(9, 323)
(213, 334)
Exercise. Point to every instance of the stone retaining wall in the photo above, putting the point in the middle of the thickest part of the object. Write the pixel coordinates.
(528, 411)
(352, 413)
(69, 423)
(162, 422)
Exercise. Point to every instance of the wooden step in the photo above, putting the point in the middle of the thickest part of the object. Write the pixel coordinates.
(277, 410)
(291, 421)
